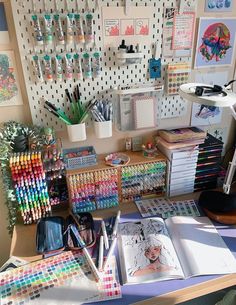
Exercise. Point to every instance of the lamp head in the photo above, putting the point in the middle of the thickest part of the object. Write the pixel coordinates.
(208, 95)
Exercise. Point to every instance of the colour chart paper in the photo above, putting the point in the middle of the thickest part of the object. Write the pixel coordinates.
(166, 208)
(62, 279)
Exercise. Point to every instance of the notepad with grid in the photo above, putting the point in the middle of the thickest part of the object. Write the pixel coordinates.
(144, 112)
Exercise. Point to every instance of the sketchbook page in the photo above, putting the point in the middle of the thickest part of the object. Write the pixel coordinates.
(201, 250)
(146, 252)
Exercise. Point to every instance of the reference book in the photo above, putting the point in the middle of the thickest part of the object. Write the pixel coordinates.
(152, 249)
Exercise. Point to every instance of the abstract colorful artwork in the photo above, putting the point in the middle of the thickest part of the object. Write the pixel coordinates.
(215, 43)
(9, 88)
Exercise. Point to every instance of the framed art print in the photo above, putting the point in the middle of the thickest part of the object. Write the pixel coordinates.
(215, 42)
(218, 6)
(10, 94)
(4, 35)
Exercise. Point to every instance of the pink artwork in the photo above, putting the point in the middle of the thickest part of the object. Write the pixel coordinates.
(142, 26)
(112, 27)
(127, 27)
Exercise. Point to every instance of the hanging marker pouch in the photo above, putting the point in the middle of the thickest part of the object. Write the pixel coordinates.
(48, 68)
(79, 29)
(77, 65)
(58, 30)
(96, 64)
(89, 29)
(37, 69)
(69, 28)
(69, 67)
(48, 29)
(37, 30)
(87, 66)
(59, 68)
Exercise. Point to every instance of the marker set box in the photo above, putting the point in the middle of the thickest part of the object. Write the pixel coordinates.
(30, 185)
(70, 66)
(93, 190)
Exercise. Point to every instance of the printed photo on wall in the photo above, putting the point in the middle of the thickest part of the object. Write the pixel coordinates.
(203, 115)
(218, 6)
(10, 94)
(215, 42)
(4, 35)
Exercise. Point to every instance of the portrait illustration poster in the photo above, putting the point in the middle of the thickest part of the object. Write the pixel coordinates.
(216, 42)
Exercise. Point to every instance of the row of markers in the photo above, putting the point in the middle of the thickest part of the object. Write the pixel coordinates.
(91, 191)
(59, 67)
(52, 30)
(142, 179)
(30, 185)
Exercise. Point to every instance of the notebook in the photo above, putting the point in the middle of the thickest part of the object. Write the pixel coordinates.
(144, 112)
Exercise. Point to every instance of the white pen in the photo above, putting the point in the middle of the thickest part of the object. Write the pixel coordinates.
(100, 257)
(104, 233)
(109, 254)
(115, 228)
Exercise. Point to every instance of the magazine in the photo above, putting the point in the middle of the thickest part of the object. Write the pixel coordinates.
(180, 247)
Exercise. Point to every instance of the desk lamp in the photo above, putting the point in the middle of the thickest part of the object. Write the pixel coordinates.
(217, 205)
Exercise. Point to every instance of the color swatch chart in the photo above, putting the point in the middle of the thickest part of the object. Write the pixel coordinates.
(166, 208)
(177, 74)
(30, 185)
(142, 179)
(93, 190)
(62, 279)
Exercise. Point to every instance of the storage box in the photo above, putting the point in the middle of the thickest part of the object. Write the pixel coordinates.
(79, 157)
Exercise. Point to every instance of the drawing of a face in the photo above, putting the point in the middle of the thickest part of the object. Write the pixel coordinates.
(153, 252)
(215, 42)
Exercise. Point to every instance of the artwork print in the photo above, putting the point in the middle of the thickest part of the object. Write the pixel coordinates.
(215, 43)
(9, 87)
(133, 28)
(4, 35)
(218, 5)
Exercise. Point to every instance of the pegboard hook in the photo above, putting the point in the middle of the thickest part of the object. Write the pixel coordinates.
(127, 5)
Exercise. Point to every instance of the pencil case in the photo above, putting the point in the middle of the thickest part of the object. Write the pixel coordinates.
(54, 233)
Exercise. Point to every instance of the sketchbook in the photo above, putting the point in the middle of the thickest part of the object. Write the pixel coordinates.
(152, 249)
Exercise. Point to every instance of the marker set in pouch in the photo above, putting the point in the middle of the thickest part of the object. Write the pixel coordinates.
(66, 67)
(61, 29)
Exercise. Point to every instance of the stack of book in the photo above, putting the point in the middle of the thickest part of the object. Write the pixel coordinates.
(180, 146)
(208, 164)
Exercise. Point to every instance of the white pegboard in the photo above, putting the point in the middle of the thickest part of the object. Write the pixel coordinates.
(112, 74)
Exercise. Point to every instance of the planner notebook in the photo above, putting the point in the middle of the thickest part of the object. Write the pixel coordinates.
(62, 279)
(144, 112)
(180, 247)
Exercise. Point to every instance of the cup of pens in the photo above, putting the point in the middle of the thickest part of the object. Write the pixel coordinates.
(76, 132)
(102, 117)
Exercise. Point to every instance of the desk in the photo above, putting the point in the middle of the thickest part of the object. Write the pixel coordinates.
(158, 293)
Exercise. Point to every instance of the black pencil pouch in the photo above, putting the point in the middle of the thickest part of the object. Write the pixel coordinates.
(54, 233)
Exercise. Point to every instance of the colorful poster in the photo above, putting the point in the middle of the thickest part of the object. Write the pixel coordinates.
(133, 28)
(218, 5)
(216, 42)
(4, 36)
(10, 94)
(183, 30)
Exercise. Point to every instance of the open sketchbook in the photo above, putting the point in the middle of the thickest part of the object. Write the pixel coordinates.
(152, 249)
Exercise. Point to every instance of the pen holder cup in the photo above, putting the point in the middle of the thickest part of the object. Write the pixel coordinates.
(103, 129)
(76, 132)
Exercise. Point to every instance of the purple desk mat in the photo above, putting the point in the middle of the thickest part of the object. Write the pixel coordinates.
(140, 292)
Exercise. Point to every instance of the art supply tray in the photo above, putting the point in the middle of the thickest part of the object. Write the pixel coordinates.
(54, 234)
(75, 158)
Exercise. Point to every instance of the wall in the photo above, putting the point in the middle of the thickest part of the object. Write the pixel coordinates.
(22, 114)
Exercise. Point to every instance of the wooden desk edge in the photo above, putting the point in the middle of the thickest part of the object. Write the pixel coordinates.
(192, 292)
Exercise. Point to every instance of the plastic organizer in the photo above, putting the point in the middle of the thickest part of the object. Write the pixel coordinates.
(79, 157)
